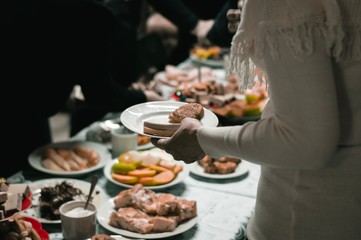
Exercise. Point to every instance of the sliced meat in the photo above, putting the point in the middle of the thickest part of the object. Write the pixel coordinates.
(132, 220)
(225, 167)
(164, 224)
(187, 209)
(167, 204)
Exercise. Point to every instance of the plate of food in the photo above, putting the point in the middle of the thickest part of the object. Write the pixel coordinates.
(154, 168)
(211, 56)
(157, 115)
(61, 190)
(116, 214)
(219, 168)
(70, 158)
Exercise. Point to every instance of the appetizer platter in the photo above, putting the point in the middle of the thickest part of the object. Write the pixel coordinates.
(197, 169)
(155, 169)
(211, 56)
(79, 190)
(139, 219)
(70, 158)
(216, 92)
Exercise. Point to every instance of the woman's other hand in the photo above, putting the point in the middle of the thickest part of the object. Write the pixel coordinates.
(234, 17)
(183, 145)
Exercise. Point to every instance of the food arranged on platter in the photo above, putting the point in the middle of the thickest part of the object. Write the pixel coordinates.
(182, 78)
(250, 103)
(14, 198)
(49, 194)
(52, 197)
(64, 159)
(149, 168)
(167, 129)
(211, 52)
(222, 165)
(70, 158)
(223, 97)
(212, 56)
(143, 211)
(20, 227)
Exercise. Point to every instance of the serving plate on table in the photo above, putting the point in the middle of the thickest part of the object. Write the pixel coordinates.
(133, 117)
(104, 212)
(179, 178)
(36, 157)
(197, 169)
(99, 196)
(213, 63)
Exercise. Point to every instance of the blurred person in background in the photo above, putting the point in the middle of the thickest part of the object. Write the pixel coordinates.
(48, 47)
(190, 23)
(308, 141)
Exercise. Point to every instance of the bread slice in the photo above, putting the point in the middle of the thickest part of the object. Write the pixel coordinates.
(164, 127)
(192, 110)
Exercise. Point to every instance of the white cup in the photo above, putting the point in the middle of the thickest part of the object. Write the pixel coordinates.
(76, 222)
(123, 140)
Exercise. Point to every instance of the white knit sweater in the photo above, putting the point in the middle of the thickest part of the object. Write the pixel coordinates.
(308, 141)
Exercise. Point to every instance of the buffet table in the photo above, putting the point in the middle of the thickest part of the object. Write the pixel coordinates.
(224, 205)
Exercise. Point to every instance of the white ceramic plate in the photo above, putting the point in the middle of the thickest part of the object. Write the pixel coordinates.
(36, 157)
(133, 117)
(99, 196)
(198, 170)
(104, 212)
(180, 176)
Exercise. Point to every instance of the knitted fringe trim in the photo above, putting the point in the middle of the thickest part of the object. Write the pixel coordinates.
(300, 39)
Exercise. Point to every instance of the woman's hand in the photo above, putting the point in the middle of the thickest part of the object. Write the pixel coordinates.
(234, 17)
(183, 145)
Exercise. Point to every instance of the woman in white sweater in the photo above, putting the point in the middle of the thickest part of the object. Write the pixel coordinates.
(308, 141)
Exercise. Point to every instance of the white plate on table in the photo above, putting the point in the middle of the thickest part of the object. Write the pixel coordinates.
(198, 170)
(179, 178)
(36, 157)
(99, 196)
(104, 212)
(133, 117)
(213, 63)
